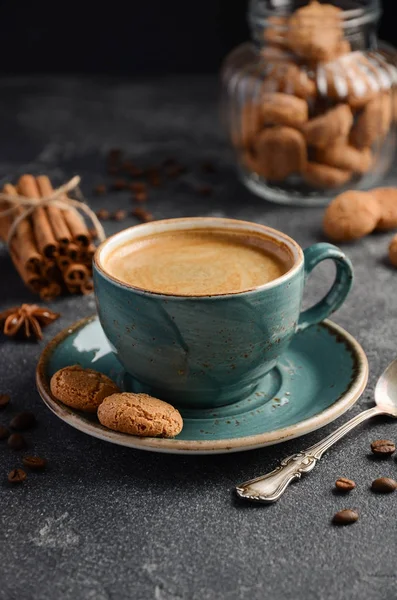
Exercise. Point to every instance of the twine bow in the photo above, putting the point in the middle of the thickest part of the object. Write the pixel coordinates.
(57, 198)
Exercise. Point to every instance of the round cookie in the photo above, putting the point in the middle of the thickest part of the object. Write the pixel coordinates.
(140, 414)
(393, 251)
(324, 176)
(350, 216)
(329, 128)
(284, 109)
(82, 389)
(343, 156)
(387, 200)
(315, 31)
(279, 152)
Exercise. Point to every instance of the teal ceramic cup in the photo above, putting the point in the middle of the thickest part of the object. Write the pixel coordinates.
(207, 351)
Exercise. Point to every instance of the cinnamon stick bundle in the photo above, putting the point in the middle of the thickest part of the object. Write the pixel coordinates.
(51, 247)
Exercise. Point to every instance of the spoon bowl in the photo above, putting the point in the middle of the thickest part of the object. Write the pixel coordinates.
(386, 390)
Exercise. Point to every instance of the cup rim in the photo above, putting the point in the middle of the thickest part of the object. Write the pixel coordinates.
(184, 222)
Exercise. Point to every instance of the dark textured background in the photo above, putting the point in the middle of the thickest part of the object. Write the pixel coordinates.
(108, 523)
(137, 37)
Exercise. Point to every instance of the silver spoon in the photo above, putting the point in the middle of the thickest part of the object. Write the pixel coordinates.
(270, 487)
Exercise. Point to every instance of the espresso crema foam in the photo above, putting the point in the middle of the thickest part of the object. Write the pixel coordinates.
(198, 262)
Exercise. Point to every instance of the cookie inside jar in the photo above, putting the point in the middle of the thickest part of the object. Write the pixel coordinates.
(310, 103)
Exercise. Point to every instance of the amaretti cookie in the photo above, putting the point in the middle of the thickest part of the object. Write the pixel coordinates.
(387, 200)
(374, 121)
(140, 414)
(315, 31)
(344, 156)
(330, 127)
(324, 176)
(82, 389)
(284, 109)
(351, 215)
(280, 151)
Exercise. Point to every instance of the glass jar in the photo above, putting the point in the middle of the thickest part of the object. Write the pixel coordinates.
(310, 104)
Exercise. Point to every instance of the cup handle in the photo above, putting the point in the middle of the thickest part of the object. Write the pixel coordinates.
(339, 290)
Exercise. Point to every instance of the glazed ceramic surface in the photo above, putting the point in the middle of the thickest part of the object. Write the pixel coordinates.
(208, 351)
(319, 377)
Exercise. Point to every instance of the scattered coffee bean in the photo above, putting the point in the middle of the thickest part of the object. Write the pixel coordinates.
(138, 186)
(16, 476)
(345, 517)
(383, 447)
(4, 400)
(142, 214)
(204, 190)
(16, 441)
(4, 432)
(34, 462)
(140, 196)
(344, 485)
(208, 167)
(120, 184)
(119, 215)
(103, 214)
(384, 485)
(23, 421)
(100, 189)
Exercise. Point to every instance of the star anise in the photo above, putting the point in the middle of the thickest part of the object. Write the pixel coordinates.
(26, 320)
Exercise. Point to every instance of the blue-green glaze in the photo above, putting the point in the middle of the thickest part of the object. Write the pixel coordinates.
(213, 350)
(318, 368)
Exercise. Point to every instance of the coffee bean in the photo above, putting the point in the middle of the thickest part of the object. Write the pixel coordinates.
(140, 196)
(142, 214)
(4, 400)
(119, 215)
(23, 421)
(34, 462)
(103, 214)
(120, 184)
(384, 485)
(16, 476)
(16, 441)
(138, 186)
(4, 433)
(345, 517)
(114, 155)
(344, 485)
(383, 447)
(100, 189)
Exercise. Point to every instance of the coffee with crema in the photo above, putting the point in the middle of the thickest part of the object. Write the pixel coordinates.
(195, 262)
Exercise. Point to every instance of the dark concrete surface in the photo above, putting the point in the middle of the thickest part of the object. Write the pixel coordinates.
(105, 522)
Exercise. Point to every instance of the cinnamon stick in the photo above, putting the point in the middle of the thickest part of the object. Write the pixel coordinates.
(77, 227)
(45, 239)
(76, 274)
(51, 291)
(55, 214)
(73, 251)
(23, 242)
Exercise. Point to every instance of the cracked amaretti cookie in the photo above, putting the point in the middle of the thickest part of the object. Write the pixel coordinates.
(140, 414)
(82, 389)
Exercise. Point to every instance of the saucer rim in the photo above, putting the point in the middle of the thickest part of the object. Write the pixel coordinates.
(227, 445)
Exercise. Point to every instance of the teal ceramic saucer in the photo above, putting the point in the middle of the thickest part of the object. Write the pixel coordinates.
(322, 375)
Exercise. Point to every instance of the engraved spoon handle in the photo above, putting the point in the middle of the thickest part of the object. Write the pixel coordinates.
(270, 487)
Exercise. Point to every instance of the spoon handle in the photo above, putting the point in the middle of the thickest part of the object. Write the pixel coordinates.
(270, 487)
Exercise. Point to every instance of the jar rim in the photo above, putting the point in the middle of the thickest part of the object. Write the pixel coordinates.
(259, 11)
